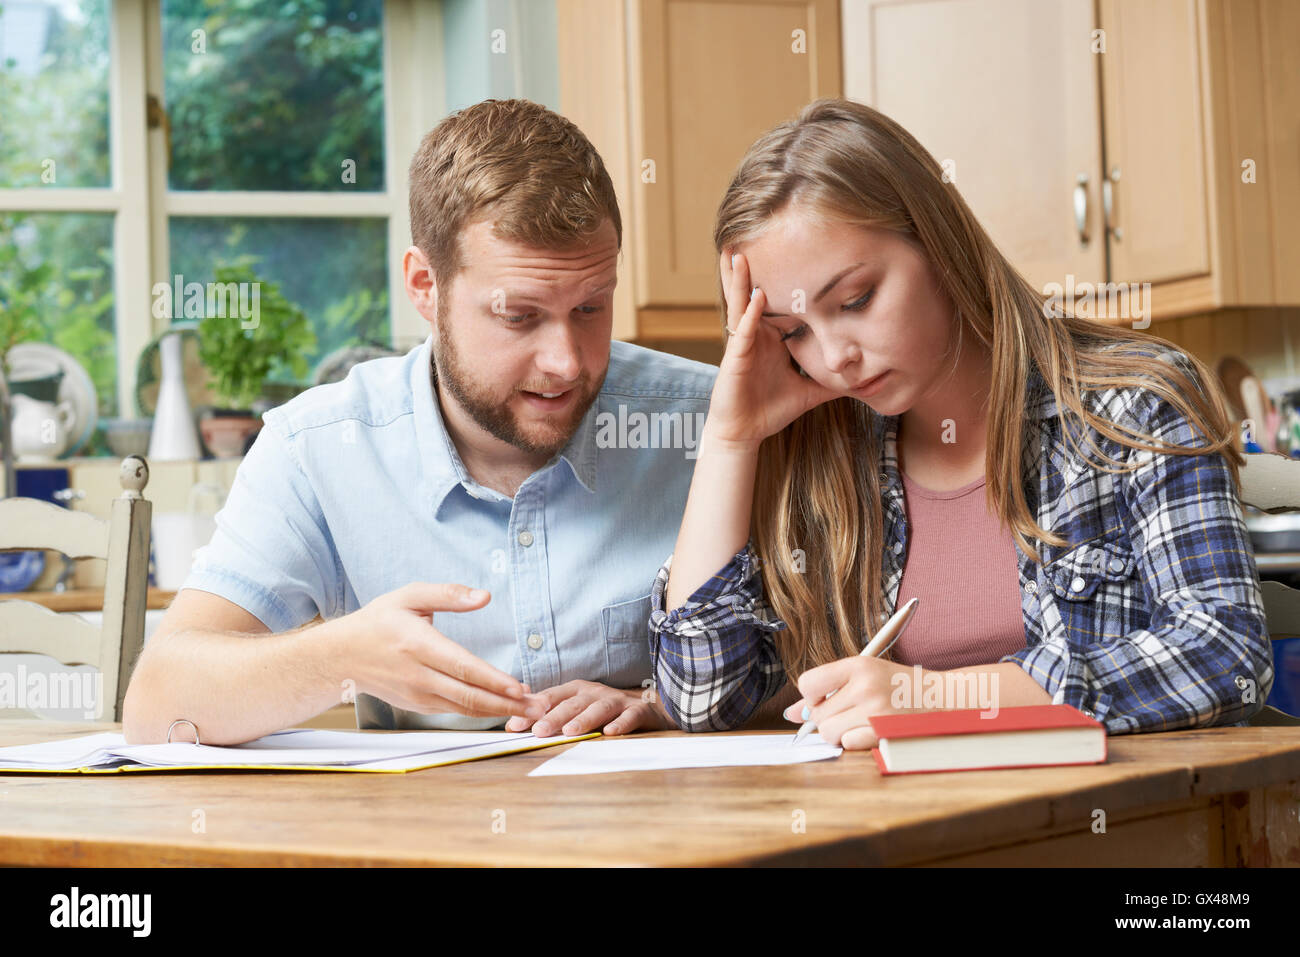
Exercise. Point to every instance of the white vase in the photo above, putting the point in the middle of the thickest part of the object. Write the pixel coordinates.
(174, 436)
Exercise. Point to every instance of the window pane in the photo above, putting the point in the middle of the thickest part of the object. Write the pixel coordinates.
(54, 93)
(335, 270)
(56, 283)
(275, 95)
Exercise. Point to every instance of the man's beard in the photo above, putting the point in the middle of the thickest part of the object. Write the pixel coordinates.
(494, 416)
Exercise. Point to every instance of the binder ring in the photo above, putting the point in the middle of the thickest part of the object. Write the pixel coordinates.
(183, 721)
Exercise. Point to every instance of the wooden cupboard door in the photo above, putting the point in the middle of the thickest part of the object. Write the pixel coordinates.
(1006, 92)
(1253, 151)
(591, 54)
(1154, 126)
(707, 78)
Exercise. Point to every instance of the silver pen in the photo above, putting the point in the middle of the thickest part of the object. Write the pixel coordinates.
(876, 647)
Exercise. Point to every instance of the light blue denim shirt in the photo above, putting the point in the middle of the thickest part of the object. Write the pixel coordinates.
(354, 489)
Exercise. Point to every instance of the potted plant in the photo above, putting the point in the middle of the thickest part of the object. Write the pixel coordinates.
(242, 348)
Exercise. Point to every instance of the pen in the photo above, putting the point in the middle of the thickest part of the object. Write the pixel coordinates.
(878, 645)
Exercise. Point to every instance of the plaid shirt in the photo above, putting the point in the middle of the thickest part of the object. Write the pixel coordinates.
(1150, 620)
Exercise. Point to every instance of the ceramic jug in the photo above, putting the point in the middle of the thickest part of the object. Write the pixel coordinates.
(42, 431)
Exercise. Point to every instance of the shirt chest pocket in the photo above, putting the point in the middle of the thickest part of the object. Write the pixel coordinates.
(1077, 574)
(627, 642)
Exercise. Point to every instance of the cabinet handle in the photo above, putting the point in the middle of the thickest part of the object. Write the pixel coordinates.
(1108, 204)
(1081, 208)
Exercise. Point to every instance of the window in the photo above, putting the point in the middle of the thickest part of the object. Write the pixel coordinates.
(56, 238)
(145, 140)
(286, 98)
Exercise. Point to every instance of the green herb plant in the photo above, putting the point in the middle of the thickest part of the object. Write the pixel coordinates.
(240, 359)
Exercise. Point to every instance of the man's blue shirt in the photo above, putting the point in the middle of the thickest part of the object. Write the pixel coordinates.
(354, 489)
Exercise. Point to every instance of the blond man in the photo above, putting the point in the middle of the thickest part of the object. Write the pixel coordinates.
(478, 522)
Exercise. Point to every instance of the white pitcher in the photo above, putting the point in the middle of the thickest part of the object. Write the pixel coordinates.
(42, 431)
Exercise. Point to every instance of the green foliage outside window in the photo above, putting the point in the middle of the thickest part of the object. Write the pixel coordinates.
(283, 95)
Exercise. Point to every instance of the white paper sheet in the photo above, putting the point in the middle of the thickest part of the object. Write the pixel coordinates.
(608, 755)
(294, 746)
(62, 754)
(312, 746)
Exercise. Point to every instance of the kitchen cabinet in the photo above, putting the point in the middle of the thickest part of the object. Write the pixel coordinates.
(672, 93)
(1004, 94)
(1154, 118)
(1134, 141)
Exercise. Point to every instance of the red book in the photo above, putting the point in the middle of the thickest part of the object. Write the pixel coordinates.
(1039, 735)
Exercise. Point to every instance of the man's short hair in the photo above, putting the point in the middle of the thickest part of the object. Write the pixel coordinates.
(530, 170)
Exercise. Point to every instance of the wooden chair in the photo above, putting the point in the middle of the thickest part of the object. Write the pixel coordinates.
(123, 540)
(1271, 483)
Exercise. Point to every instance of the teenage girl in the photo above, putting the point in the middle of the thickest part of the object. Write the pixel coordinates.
(899, 413)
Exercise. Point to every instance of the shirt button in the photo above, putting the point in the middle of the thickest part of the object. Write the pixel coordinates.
(898, 548)
(1117, 564)
(534, 641)
(525, 538)
(1078, 584)
(1031, 586)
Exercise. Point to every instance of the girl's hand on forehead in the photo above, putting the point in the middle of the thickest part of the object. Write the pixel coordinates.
(758, 391)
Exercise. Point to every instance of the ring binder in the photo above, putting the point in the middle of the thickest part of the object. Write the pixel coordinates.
(183, 721)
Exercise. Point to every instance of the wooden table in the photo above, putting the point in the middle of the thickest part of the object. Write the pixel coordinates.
(1217, 797)
(86, 599)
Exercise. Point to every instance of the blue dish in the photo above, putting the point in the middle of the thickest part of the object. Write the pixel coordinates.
(18, 570)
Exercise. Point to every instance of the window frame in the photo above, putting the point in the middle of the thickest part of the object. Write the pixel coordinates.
(141, 203)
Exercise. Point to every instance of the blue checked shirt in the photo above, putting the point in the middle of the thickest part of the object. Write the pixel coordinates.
(1151, 619)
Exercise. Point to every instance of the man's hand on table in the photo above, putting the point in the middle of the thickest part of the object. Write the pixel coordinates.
(579, 707)
(395, 653)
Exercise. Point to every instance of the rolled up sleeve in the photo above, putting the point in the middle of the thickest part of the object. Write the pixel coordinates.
(272, 553)
(714, 658)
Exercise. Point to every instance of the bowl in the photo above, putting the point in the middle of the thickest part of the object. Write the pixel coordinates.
(128, 436)
(19, 570)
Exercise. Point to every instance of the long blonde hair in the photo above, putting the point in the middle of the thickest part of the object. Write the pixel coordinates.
(817, 492)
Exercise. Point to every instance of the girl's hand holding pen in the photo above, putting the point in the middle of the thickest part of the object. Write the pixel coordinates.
(865, 686)
(758, 391)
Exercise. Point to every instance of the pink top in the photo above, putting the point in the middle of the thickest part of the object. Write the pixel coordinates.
(962, 564)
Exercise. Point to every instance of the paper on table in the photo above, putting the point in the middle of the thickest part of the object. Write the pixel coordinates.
(312, 746)
(608, 755)
(63, 753)
(293, 747)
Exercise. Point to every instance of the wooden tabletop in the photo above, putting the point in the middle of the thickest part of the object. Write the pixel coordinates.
(1183, 791)
(86, 599)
